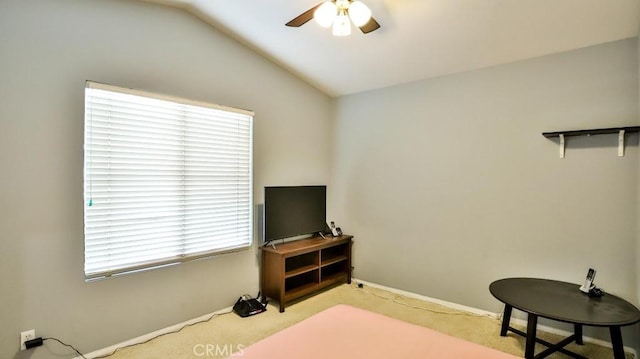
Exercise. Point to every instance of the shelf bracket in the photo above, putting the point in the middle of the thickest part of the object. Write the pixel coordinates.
(561, 145)
(621, 143)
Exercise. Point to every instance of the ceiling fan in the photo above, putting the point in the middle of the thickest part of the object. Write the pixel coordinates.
(340, 14)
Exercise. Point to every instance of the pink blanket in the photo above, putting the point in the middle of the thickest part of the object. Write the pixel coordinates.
(343, 331)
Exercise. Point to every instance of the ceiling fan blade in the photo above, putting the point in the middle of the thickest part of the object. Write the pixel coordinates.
(370, 26)
(303, 18)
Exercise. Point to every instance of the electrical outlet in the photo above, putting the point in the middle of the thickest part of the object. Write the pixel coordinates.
(24, 336)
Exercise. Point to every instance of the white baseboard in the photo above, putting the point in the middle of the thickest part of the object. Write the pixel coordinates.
(143, 338)
(146, 337)
(429, 299)
(517, 321)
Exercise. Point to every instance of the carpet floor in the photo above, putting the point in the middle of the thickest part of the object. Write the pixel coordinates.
(226, 334)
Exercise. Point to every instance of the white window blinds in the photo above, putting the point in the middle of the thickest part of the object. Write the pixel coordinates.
(165, 180)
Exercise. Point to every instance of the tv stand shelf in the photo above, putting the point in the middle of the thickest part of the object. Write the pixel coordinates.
(294, 269)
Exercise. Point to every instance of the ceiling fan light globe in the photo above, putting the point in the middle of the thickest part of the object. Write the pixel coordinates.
(359, 13)
(342, 25)
(325, 14)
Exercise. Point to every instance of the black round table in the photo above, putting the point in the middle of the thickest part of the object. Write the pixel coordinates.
(566, 303)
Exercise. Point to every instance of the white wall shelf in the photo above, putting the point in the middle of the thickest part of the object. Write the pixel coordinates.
(596, 131)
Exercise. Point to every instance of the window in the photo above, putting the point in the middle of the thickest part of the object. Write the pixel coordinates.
(165, 180)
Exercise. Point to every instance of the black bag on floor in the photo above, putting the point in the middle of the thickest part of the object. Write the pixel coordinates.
(246, 306)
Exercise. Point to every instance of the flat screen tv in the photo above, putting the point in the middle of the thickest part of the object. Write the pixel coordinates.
(294, 210)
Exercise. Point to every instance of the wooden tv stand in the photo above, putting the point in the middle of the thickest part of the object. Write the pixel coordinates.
(294, 269)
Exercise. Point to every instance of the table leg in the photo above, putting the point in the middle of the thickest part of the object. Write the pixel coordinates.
(532, 323)
(506, 317)
(577, 329)
(616, 342)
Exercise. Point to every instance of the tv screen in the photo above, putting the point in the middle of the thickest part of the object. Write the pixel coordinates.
(294, 210)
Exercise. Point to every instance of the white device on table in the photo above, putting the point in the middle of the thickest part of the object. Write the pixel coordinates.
(334, 230)
(588, 282)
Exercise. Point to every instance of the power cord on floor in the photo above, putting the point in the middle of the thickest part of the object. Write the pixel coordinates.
(36, 342)
(66, 345)
(396, 299)
(214, 315)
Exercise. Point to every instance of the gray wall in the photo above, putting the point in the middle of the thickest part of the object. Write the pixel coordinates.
(448, 183)
(48, 48)
(638, 220)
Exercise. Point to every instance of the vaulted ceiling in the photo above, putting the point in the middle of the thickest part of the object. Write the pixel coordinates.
(418, 39)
